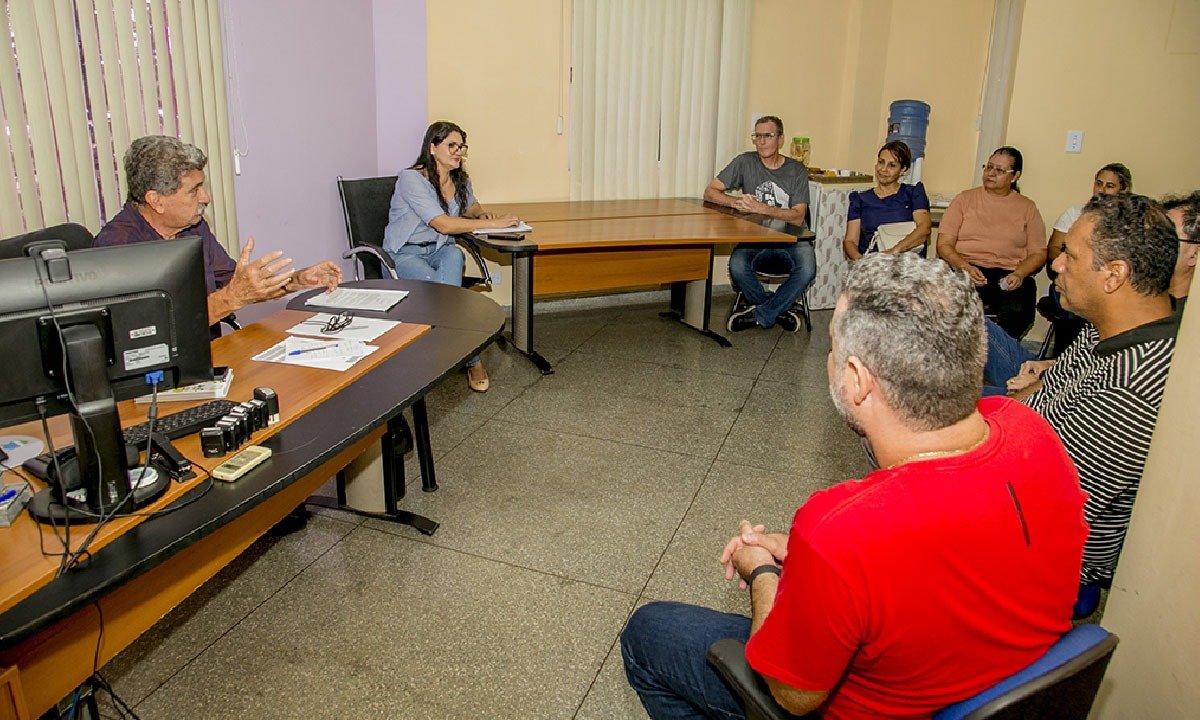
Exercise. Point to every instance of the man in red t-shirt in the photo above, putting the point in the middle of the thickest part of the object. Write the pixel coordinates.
(925, 582)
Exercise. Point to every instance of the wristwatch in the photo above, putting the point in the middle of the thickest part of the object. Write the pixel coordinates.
(765, 568)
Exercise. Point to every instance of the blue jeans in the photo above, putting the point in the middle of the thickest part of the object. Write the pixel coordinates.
(664, 646)
(441, 265)
(1004, 358)
(433, 264)
(798, 260)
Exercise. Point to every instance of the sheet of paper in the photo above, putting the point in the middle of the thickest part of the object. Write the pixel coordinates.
(362, 329)
(322, 354)
(515, 229)
(357, 299)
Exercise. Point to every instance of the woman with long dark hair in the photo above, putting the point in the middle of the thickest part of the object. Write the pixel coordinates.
(997, 235)
(434, 201)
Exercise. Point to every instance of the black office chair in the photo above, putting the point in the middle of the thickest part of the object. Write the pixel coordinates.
(73, 235)
(365, 204)
(1062, 684)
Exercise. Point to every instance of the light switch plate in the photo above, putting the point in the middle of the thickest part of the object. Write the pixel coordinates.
(1074, 141)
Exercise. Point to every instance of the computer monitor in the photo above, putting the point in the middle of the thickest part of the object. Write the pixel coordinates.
(80, 330)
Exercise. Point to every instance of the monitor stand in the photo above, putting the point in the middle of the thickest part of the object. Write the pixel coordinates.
(46, 508)
(104, 473)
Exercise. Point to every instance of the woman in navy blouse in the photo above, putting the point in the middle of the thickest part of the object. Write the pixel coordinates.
(432, 202)
(888, 202)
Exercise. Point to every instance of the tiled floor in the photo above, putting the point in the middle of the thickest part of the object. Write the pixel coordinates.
(565, 502)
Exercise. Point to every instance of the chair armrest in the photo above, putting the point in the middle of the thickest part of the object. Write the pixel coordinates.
(384, 259)
(231, 321)
(728, 657)
(467, 242)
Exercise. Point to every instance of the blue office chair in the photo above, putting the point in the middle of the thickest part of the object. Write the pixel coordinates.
(1062, 684)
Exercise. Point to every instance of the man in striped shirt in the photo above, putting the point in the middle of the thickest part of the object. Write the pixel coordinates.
(1102, 395)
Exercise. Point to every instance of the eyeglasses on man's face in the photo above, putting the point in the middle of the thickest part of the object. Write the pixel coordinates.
(761, 137)
(996, 169)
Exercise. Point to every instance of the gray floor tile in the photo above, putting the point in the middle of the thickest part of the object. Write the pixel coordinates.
(383, 627)
(447, 428)
(689, 571)
(589, 509)
(671, 343)
(611, 698)
(794, 428)
(634, 402)
(217, 606)
(510, 373)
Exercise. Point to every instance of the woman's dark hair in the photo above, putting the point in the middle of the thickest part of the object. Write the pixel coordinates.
(899, 151)
(1123, 174)
(1017, 160)
(437, 133)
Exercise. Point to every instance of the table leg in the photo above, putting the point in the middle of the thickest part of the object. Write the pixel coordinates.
(397, 440)
(522, 311)
(424, 450)
(691, 304)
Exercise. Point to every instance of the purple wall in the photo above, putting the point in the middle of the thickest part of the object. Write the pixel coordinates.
(305, 108)
(401, 92)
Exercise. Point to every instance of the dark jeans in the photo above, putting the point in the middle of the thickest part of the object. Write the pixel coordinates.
(664, 647)
(1004, 358)
(1011, 309)
(798, 261)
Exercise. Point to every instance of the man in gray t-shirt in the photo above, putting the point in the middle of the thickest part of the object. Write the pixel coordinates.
(775, 186)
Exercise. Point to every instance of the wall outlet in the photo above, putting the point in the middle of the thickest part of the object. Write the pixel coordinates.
(1074, 141)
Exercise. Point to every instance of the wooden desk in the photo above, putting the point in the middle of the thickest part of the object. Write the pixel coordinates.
(583, 247)
(50, 628)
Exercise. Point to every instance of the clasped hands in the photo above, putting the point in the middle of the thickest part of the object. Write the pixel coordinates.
(751, 548)
(749, 204)
(1029, 374)
(271, 276)
(1009, 282)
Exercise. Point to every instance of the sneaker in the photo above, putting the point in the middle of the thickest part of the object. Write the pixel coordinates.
(788, 321)
(743, 320)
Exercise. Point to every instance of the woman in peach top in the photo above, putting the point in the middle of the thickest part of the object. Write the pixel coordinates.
(997, 235)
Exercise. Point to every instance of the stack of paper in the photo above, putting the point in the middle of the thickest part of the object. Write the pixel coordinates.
(310, 352)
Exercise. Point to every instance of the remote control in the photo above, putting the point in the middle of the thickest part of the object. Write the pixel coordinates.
(238, 465)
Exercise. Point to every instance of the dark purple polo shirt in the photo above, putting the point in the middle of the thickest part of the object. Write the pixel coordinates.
(128, 227)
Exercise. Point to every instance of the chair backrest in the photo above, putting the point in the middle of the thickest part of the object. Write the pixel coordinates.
(365, 204)
(1062, 684)
(73, 235)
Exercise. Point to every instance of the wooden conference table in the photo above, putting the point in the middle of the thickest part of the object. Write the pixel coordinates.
(52, 629)
(599, 245)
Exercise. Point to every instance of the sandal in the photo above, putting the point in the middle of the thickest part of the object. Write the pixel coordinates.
(477, 379)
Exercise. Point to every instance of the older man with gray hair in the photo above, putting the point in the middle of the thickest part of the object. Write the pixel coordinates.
(919, 585)
(167, 199)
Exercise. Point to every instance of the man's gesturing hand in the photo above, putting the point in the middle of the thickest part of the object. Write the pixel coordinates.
(257, 280)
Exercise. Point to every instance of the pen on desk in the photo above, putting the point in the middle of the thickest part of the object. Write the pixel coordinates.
(305, 350)
(8, 495)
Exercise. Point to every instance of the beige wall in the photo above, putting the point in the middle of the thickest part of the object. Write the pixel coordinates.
(1153, 604)
(495, 69)
(796, 61)
(939, 54)
(1113, 77)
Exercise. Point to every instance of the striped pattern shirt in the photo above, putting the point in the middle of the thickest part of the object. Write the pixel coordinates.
(1103, 398)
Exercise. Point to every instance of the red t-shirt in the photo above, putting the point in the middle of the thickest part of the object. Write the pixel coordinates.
(920, 586)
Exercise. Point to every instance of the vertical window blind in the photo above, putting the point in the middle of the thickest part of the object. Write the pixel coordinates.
(81, 79)
(658, 95)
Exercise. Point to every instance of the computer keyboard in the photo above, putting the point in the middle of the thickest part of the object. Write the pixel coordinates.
(184, 422)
